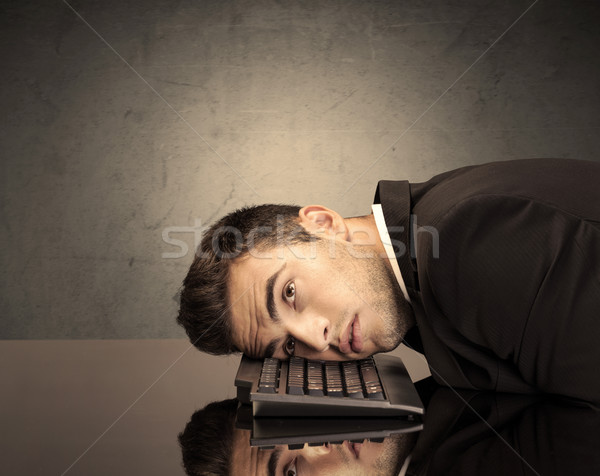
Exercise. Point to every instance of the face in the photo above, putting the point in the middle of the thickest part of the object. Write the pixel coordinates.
(366, 459)
(321, 301)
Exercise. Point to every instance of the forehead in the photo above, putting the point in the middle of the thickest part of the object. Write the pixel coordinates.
(247, 294)
(248, 460)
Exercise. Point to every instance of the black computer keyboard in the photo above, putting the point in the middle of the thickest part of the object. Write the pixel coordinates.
(301, 401)
(374, 387)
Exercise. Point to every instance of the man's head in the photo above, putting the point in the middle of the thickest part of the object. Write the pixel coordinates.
(279, 280)
(346, 459)
(207, 440)
(211, 446)
(205, 311)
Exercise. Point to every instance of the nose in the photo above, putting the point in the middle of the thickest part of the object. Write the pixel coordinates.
(314, 331)
(315, 451)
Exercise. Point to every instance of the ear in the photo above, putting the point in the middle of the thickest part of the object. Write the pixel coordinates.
(319, 219)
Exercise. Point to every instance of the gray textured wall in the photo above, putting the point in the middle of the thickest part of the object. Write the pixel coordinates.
(186, 110)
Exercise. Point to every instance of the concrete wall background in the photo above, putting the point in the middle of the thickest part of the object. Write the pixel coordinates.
(242, 102)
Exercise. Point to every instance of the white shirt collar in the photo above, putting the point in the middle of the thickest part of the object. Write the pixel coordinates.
(404, 468)
(387, 244)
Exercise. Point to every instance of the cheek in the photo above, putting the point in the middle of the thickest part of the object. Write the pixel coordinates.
(311, 354)
(332, 465)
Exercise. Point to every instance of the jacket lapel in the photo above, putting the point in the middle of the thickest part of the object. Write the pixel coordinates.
(394, 197)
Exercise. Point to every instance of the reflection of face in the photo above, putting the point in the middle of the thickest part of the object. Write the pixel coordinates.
(367, 459)
(333, 304)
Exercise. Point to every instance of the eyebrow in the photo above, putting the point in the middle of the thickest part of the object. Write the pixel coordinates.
(272, 310)
(270, 350)
(270, 299)
(273, 460)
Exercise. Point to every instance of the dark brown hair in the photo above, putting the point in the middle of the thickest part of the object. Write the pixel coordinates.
(204, 305)
(207, 440)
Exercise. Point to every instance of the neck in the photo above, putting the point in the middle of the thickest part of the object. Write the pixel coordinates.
(363, 231)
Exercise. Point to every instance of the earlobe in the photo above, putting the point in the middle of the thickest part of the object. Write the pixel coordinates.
(320, 219)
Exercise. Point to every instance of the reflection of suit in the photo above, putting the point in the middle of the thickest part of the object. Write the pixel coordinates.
(512, 303)
(497, 434)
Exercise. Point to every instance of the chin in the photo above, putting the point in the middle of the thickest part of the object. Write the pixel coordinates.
(385, 348)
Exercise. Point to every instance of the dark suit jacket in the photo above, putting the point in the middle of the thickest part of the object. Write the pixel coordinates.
(502, 262)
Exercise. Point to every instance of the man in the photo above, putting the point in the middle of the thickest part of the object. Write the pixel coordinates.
(212, 446)
(495, 269)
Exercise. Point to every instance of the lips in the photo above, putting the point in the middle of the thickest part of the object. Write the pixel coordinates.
(354, 448)
(357, 338)
(351, 339)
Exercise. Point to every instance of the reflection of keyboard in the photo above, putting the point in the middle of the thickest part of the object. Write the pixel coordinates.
(266, 433)
(375, 387)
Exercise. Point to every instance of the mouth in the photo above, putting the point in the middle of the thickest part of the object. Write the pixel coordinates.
(352, 339)
(354, 448)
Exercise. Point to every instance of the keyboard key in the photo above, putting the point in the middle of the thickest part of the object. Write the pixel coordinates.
(295, 381)
(333, 379)
(371, 380)
(269, 376)
(315, 378)
(352, 380)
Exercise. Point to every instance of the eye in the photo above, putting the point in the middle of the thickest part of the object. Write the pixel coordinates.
(290, 347)
(291, 469)
(289, 292)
